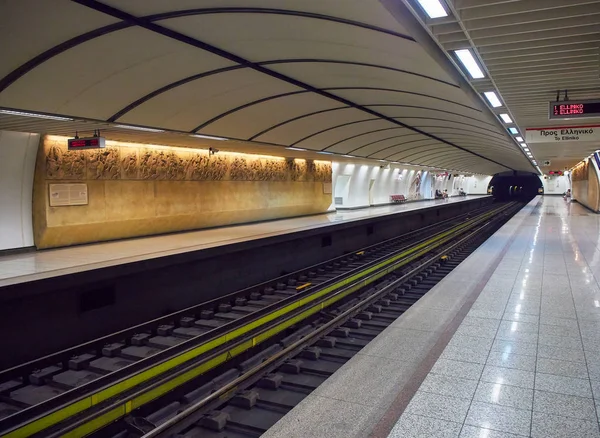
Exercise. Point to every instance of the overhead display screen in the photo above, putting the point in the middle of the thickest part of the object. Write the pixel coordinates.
(574, 109)
(86, 143)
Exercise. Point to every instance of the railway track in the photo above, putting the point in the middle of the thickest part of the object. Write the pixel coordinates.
(83, 389)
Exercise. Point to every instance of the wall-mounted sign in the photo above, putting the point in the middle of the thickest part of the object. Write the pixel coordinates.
(63, 195)
(574, 109)
(558, 134)
(86, 143)
(547, 163)
(555, 172)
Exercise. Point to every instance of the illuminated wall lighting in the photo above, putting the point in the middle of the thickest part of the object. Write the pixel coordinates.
(513, 131)
(433, 8)
(506, 118)
(519, 139)
(208, 137)
(468, 61)
(36, 115)
(492, 98)
(139, 128)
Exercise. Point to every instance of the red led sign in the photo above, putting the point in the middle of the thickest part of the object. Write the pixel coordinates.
(86, 143)
(555, 172)
(574, 109)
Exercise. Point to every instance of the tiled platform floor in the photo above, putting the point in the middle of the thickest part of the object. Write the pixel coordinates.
(533, 368)
(507, 346)
(43, 264)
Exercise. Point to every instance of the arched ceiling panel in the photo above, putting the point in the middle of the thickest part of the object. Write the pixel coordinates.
(432, 113)
(403, 97)
(197, 102)
(295, 130)
(141, 59)
(246, 123)
(372, 149)
(331, 75)
(344, 146)
(261, 37)
(29, 27)
(355, 10)
(321, 140)
(417, 145)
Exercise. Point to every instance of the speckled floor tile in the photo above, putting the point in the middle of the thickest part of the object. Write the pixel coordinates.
(506, 360)
(450, 386)
(562, 368)
(519, 326)
(556, 330)
(512, 316)
(500, 418)
(560, 341)
(507, 376)
(514, 347)
(561, 322)
(480, 322)
(558, 353)
(476, 331)
(463, 341)
(563, 385)
(504, 395)
(554, 426)
(565, 405)
(417, 426)
(455, 368)
(479, 432)
(474, 354)
(438, 406)
(596, 388)
(495, 314)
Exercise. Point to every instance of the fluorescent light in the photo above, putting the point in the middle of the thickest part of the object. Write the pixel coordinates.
(519, 139)
(506, 118)
(523, 145)
(295, 149)
(513, 131)
(433, 8)
(36, 115)
(526, 149)
(530, 154)
(468, 61)
(492, 98)
(348, 156)
(325, 153)
(139, 128)
(208, 137)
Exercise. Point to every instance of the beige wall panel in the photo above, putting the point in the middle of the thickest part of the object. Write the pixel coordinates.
(140, 191)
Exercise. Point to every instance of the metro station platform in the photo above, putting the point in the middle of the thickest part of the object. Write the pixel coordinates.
(31, 266)
(506, 346)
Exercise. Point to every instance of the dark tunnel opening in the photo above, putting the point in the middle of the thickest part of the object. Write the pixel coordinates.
(515, 186)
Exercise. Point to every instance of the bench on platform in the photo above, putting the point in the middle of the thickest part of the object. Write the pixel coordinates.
(397, 198)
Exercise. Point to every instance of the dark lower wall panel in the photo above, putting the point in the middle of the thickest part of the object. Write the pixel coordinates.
(44, 316)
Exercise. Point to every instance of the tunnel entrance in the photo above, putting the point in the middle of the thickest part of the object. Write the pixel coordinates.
(515, 186)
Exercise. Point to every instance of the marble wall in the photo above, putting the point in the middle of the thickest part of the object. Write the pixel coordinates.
(585, 185)
(138, 190)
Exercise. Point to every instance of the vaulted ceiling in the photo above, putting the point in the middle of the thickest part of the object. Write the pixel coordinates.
(338, 76)
(531, 49)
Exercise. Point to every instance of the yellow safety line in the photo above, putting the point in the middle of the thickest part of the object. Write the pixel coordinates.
(93, 399)
(305, 285)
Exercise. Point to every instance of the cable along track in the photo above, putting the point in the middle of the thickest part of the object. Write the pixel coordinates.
(202, 338)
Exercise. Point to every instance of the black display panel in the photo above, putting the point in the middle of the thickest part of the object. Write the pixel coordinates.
(574, 109)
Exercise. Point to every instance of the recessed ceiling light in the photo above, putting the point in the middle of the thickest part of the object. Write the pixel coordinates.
(295, 149)
(433, 8)
(139, 128)
(513, 131)
(519, 139)
(526, 149)
(208, 137)
(523, 145)
(468, 61)
(36, 115)
(506, 118)
(492, 98)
